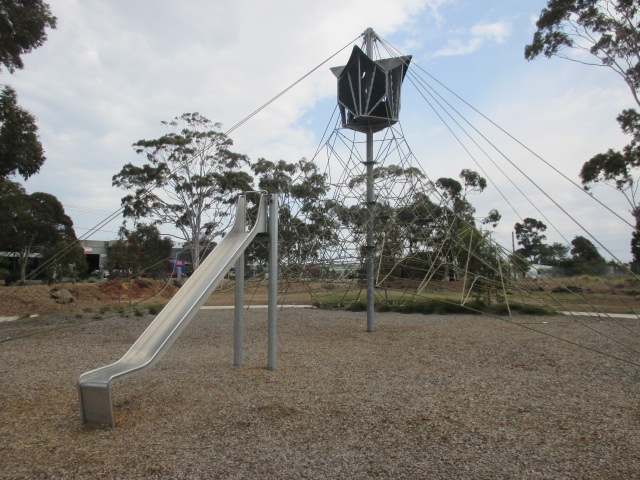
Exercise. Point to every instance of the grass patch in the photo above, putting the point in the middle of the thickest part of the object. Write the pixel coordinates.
(521, 308)
(427, 306)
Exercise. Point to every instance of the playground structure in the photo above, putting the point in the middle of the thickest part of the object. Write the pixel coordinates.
(157, 339)
(383, 227)
(369, 100)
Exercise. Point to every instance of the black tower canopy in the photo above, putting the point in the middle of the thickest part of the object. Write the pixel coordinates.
(369, 91)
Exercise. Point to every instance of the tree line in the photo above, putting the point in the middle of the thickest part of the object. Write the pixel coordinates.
(197, 171)
(582, 258)
(191, 176)
(36, 222)
(602, 33)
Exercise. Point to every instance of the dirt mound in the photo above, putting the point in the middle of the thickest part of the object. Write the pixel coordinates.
(122, 288)
(37, 299)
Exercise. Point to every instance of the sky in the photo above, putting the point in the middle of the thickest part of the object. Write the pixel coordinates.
(113, 70)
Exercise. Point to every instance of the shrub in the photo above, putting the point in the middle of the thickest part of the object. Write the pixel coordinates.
(155, 308)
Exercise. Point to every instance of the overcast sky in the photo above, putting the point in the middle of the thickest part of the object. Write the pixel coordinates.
(113, 70)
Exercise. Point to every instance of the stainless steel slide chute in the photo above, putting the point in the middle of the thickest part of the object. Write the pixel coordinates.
(155, 341)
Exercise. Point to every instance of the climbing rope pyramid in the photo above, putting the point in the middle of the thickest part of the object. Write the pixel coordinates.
(323, 243)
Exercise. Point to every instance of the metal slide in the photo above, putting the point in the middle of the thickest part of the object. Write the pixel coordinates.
(155, 341)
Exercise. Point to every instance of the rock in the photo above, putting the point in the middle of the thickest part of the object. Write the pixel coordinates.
(61, 295)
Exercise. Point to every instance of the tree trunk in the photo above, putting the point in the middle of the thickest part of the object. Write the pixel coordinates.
(195, 251)
(635, 241)
(24, 259)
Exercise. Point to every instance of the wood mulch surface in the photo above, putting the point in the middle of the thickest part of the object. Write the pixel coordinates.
(424, 396)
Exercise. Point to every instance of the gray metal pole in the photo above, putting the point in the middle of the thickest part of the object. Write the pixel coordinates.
(371, 208)
(272, 354)
(238, 324)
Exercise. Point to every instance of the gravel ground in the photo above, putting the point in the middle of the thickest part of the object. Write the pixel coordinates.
(422, 397)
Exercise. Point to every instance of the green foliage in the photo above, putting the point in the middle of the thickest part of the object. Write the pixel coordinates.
(403, 234)
(123, 256)
(461, 243)
(419, 236)
(428, 306)
(305, 223)
(155, 309)
(483, 267)
(28, 222)
(618, 168)
(455, 194)
(521, 308)
(23, 25)
(65, 258)
(608, 31)
(585, 250)
(141, 250)
(585, 256)
(553, 254)
(586, 260)
(190, 180)
(530, 235)
(20, 148)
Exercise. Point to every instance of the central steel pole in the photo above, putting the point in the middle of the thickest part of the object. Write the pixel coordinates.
(371, 208)
(238, 324)
(272, 328)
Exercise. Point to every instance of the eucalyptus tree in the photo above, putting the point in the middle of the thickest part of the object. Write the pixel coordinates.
(531, 237)
(605, 32)
(190, 180)
(21, 152)
(142, 250)
(585, 259)
(457, 217)
(65, 258)
(305, 222)
(23, 27)
(401, 214)
(30, 222)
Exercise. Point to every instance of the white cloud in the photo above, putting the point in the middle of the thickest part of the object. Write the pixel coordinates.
(473, 39)
(497, 31)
